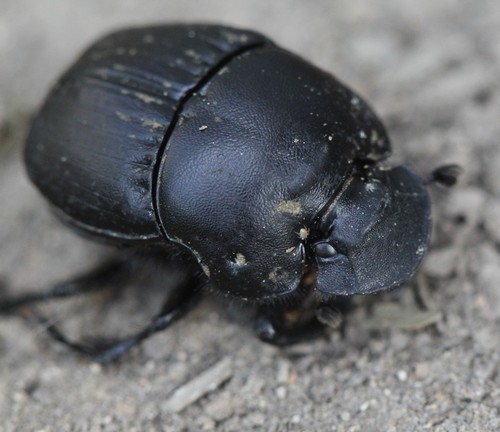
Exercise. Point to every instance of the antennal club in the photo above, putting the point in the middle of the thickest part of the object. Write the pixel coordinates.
(445, 175)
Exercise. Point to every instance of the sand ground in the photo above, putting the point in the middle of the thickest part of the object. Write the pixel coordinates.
(431, 70)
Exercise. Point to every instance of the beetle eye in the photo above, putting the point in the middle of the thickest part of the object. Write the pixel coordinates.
(324, 250)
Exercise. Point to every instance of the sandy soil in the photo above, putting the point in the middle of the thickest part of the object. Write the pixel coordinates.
(430, 68)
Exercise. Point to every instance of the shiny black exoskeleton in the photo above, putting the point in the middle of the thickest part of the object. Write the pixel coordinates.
(266, 174)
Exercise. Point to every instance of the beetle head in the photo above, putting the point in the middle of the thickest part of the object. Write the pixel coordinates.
(373, 235)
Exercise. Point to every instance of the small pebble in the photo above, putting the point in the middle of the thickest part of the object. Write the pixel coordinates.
(402, 375)
(492, 219)
(206, 382)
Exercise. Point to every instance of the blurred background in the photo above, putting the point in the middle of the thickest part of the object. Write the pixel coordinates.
(431, 70)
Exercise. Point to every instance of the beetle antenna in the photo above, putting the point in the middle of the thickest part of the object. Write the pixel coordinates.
(445, 175)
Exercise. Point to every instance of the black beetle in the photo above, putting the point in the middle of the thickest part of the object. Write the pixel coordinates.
(263, 175)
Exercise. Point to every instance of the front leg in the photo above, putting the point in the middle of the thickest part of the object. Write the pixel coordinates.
(285, 326)
(281, 327)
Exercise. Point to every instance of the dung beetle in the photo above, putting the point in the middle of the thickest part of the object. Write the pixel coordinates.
(261, 175)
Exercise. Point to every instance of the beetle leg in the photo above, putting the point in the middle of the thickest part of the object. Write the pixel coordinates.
(178, 303)
(273, 326)
(96, 279)
(280, 326)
